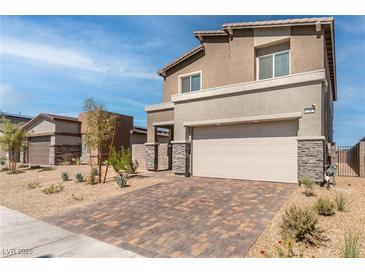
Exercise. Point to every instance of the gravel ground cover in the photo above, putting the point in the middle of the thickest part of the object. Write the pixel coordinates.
(335, 226)
(15, 193)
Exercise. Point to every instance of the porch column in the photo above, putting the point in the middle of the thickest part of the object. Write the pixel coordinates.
(181, 158)
(152, 156)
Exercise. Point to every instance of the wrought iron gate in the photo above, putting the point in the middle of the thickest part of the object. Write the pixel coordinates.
(348, 161)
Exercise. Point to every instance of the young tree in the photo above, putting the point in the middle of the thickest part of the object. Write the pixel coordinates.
(99, 130)
(12, 141)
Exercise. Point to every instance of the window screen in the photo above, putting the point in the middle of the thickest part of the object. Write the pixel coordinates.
(185, 84)
(195, 82)
(265, 67)
(281, 64)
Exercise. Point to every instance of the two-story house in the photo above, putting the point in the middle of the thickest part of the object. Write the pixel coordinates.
(253, 101)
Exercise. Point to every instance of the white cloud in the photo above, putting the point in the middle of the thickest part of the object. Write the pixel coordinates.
(72, 58)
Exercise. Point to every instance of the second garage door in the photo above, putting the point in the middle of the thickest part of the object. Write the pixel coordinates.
(38, 150)
(258, 151)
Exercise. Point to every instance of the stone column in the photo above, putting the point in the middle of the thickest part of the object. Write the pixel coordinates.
(311, 153)
(52, 155)
(152, 156)
(181, 158)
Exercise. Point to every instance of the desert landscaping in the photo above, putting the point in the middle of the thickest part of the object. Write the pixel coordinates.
(23, 191)
(335, 226)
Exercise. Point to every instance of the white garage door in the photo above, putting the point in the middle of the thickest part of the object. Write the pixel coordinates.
(260, 151)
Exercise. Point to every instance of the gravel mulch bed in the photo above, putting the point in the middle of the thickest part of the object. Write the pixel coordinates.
(335, 226)
(15, 194)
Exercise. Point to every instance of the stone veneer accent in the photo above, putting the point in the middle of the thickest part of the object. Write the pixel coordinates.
(181, 158)
(51, 160)
(64, 153)
(311, 159)
(152, 156)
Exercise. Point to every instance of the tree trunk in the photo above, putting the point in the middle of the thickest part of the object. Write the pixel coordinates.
(99, 164)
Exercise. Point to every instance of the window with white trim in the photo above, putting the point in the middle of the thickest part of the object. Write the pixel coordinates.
(190, 82)
(273, 65)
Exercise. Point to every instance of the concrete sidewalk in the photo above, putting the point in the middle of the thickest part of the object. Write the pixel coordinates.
(23, 236)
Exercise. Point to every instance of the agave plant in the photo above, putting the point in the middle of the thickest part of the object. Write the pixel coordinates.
(65, 176)
(79, 177)
(122, 180)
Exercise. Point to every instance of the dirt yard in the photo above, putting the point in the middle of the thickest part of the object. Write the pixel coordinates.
(15, 194)
(335, 226)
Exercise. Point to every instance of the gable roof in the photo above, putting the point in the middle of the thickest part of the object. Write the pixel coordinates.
(227, 29)
(51, 117)
(180, 59)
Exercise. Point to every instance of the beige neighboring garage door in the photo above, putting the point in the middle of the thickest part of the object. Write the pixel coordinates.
(38, 150)
(259, 151)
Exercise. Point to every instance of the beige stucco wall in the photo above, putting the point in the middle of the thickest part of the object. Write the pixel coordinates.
(42, 126)
(286, 100)
(223, 62)
(157, 116)
(226, 61)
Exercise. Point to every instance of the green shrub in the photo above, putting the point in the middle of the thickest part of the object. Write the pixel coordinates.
(46, 168)
(77, 198)
(77, 161)
(33, 185)
(325, 207)
(340, 201)
(122, 161)
(2, 161)
(65, 176)
(14, 172)
(52, 188)
(4, 169)
(301, 224)
(122, 180)
(352, 244)
(308, 184)
(92, 178)
(79, 177)
(35, 167)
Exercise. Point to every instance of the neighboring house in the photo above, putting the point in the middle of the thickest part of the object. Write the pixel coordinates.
(122, 138)
(253, 101)
(52, 139)
(13, 118)
(138, 137)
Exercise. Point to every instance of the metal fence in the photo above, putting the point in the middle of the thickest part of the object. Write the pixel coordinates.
(348, 161)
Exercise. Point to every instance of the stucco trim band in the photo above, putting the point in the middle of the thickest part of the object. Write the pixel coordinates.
(162, 106)
(163, 123)
(249, 119)
(298, 78)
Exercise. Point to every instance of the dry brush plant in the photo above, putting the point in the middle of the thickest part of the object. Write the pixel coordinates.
(341, 201)
(53, 188)
(301, 225)
(308, 184)
(324, 206)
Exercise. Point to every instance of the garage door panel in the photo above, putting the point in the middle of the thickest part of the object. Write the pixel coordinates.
(38, 151)
(253, 158)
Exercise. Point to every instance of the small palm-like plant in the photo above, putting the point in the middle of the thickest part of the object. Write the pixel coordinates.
(122, 180)
(65, 176)
(79, 177)
(340, 201)
(352, 244)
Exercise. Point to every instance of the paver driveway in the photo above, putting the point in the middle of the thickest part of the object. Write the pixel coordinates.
(184, 217)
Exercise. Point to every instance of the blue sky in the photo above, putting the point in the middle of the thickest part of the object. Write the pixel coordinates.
(52, 63)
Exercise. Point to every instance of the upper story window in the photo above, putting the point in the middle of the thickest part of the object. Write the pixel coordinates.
(273, 62)
(190, 82)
